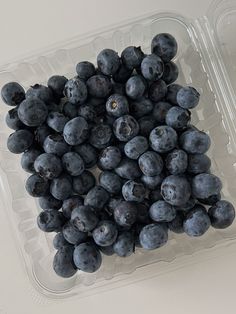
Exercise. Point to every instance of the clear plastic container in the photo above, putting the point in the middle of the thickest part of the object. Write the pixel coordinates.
(206, 58)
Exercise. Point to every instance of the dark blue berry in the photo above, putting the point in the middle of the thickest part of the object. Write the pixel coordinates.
(99, 86)
(117, 105)
(125, 128)
(55, 144)
(150, 163)
(165, 46)
(125, 214)
(161, 211)
(195, 142)
(85, 70)
(198, 163)
(108, 61)
(76, 91)
(170, 73)
(57, 83)
(40, 92)
(57, 121)
(204, 185)
(178, 118)
(128, 169)
(153, 236)
(28, 159)
(37, 186)
(70, 204)
(157, 90)
(72, 234)
(163, 139)
(84, 218)
(12, 94)
(76, 131)
(50, 220)
(87, 258)
(110, 181)
(171, 95)
(124, 245)
(188, 97)
(132, 57)
(222, 214)
(133, 191)
(141, 107)
(73, 163)
(83, 183)
(61, 187)
(196, 222)
(97, 197)
(13, 121)
(105, 233)
(32, 112)
(88, 153)
(48, 166)
(152, 67)
(49, 202)
(176, 161)
(100, 136)
(135, 87)
(136, 147)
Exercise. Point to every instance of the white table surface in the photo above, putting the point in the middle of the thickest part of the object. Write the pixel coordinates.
(206, 287)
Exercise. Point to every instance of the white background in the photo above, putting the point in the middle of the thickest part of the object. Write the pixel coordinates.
(206, 287)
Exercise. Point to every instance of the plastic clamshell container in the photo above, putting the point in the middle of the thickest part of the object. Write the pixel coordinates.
(207, 60)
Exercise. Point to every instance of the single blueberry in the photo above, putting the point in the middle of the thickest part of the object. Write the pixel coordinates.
(55, 144)
(87, 258)
(150, 163)
(110, 181)
(163, 139)
(73, 163)
(108, 61)
(188, 97)
(195, 142)
(176, 225)
(176, 190)
(48, 166)
(12, 94)
(153, 236)
(32, 112)
(63, 263)
(72, 234)
(59, 241)
(125, 128)
(172, 91)
(70, 110)
(124, 245)
(132, 57)
(222, 214)
(198, 163)
(57, 121)
(57, 83)
(84, 218)
(49, 202)
(19, 141)
(40, 92)
(88, 153)
(37, 186)
(13, 121)
(125, 214)
(157, 90)
(99, 86)
(128, 169)
(152, 67)
(97, 197)
(100, 136)
(178, 118)
(170, 73)
(61, 187)
(105, 233)
(85, 70)
(165, 46)
(109, 158)
(28, 159)
(197, 221)
(117, 105)
(133, 191)
(161, 211)
(141, 107)
(204, 185)
(50, 220)
(136, 147)
(135, 87)
(76, 91)
(76, 131)
(176, 161)
(160, 110)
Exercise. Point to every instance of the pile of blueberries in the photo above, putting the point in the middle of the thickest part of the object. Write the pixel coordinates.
(114, 160)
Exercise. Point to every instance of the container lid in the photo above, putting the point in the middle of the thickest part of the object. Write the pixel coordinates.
(222, 18)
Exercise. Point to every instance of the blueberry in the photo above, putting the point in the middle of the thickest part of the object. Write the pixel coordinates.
(84, 218)
(117, 105)
(61, 187)
(151, 183)
(19, 141)
(99, 86)
(133, 191)
(211, 200)
(153, 236)
(176, 225)
(141, 107)
(157, 90)
(177, 161)
(55, 144)
(146, 125)
(172, 91)
(198, 163)
(41, 133)
(170, 73)
(70, 110)
(37, 186)
(73, 163)
(122, 74)
(108, 61)
(150, 163)
(12, 94)
(136, 147)
(152, 67)
(135, 87)
(40, 92)
(128, 169)
(195, 142)
(85, 70)
(76, 131)
(97, 197)
(12, 120)
(125, 128)
(87, 112)
(28, 158)
(101, 136)
(132, 57)
(125, 214)
(32, 112)
(188, 97)
(107, 250)
(163, 139)
(160, 110)
(57, 83)
(69, 204)
(155, 195)
(88, 153)
(63, 263)
(87, 258)
(57, 121)
(105, 233)
(76, 91)
(187, 206)
(110, 181)
(124, 245)
(50, 220)
(161, 211)
(83, 183)
(165, 46)
(176, 190)
(222, 214)
(49, 202)
(197, 221)
(59, 241)
(143, 212)
(109, 158)
(178, 118)
(48, 166)
(204, 185)
(72, 234)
